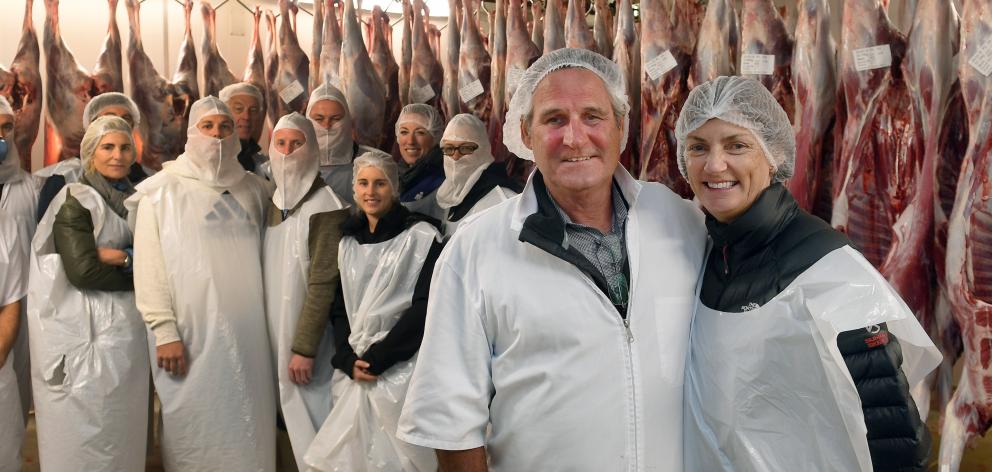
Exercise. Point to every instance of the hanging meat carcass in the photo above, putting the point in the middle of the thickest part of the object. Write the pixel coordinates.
(434, 39)
(364, 91)
(577, 34)
(21, 86)
(687, 16)
(330, 49)
(426, 74)
(499, 82)
(627, 53)
(537, 29)
(717, 44)
(164, 105)
(69, 88)
(474, 67)
(766, 51)
(520, 51)
(601, 28)
(271, 69)
(388, 71)
(969, 244)
(293, 68)
(255, 70)
(216, 73)
(665, 68)
(406, 53)
(554, 26)
(815, 82)
(449, 89)
(317, 44)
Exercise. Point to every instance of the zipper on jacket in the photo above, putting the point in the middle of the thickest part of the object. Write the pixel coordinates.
(726, 259)
(626, 327)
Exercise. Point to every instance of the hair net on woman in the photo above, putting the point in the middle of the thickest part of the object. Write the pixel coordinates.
(462, 174)
(240, 88)
(95, 132)
(335, 143)
(295, 172)
(382, 161)
(745, 103)
(110, 99)
(424, 116)
(521, 106)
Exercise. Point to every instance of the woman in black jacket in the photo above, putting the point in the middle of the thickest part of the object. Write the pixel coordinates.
(793, 325)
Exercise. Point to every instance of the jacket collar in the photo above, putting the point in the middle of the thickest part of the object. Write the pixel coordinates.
(754, 229)
(527, 204)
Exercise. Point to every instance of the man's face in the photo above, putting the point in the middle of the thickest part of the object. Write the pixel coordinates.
(573, 132)
(247, 113)
(6, 126)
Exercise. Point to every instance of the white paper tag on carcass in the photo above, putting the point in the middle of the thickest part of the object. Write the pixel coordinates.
(513, 76)
(982, 60)
(471, 91)
(291, 91)
(422, 94)
(757, 64)
(875, 57)
(661, 64)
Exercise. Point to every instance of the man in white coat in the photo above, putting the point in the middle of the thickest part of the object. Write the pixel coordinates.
(565, 314)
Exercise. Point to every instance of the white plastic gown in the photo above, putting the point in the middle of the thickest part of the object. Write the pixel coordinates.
(90, 371)
(18, 200)
(495, 196)
(360, 434)
(286, 260)
(768, 389)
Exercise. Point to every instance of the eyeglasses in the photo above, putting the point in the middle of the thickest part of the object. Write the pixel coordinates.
(464, 149)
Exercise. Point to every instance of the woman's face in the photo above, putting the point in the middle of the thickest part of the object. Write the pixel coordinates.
(414, 141)
(326, 113)
(727, 168)
(113, 156)
(373, 191)
(288, 140)
(216, 126)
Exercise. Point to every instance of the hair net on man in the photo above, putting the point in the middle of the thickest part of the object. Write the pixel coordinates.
(461, 175)
(240, 88)
(336, 143)
(10, 162)
(100, 127)
(382, 161)
(521, 105)
(110, 99)
(295, 172)
(422, 115)
(745, 103)
(213, 161)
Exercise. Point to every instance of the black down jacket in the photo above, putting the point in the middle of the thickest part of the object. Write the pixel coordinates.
(757, 256)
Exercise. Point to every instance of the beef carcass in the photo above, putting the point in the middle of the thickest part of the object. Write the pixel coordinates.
(21, 86)
(765, 42)
(362, 88)
(216, 73)
(499, 83)
(474, 65)
(293, 68)
(388, 72)
(433, 38)
(406, 53)
(255, 69)
(815, 82)
(271, 69)
(601, 28)
(687, 16)
(317, 44)
(426, 74)
(717, 44)
(164, 105)
(554, 26)
(627, 53)
(577, 34)
(330, 50)
(449, 89)
(884, 197)
(520, 51)
(69, 88)
(969, 245)
(665, 69)
(537, 29)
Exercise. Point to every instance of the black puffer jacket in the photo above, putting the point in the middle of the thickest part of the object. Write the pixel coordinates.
(757, 256)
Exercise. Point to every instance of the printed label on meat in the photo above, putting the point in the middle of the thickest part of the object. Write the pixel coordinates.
(422, 94)
(757, 64)
(875, 57)
(661, 64)
(513, 76)
(471, 91)
(982, 60)
(290, 92)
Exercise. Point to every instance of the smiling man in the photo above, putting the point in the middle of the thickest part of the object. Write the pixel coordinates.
(245, 102)
(565, 313)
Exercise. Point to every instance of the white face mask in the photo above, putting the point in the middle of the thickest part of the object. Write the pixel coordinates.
(214, 161)
(294, 175)
(460, 176)
(336, 143)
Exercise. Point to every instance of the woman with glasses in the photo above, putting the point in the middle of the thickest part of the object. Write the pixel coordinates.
(472, 181)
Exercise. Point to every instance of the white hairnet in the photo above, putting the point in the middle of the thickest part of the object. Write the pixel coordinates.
(424, 116)
(207, 106)
(5, 108)
(521, 105)
(240, 88)
(100, 127)
(110, 99)
(327, 92)
(382, 161)
(745, 103)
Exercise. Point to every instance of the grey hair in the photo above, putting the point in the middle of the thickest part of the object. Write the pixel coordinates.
(618, 104)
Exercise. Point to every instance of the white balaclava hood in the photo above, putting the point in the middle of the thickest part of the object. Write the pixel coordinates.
(212, 161)
(10, 166)
(336, 143)
(461, 175)
(295, 172)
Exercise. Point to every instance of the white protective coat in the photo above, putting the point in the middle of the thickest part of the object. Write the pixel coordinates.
(526, 342)
(18, 200)
(221, 414)
(768, 389)
(495, 196)
(90, 371)
(360, 434)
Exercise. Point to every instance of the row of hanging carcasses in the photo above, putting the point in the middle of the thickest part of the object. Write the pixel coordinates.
(893, 140)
